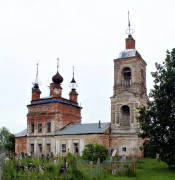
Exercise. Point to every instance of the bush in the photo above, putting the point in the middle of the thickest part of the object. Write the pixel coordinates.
(94, 151)
(72, 172)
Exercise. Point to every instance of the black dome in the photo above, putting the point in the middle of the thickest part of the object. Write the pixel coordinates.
(57, 79)
(36, 86)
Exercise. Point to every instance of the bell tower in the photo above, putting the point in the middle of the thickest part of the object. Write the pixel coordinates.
(129, 93)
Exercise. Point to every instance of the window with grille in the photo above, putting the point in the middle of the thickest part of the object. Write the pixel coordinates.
(124, 149)
(63, 148)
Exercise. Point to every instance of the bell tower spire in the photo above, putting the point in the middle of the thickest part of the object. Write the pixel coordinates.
(130, 42)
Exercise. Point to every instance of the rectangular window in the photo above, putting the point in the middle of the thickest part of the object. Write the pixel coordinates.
(63, 148)
(48, 148)
(76, 148)
(39, 127)
(39, 148)
(32, 127)
(49, 127)
(124, 149)
(31, 149)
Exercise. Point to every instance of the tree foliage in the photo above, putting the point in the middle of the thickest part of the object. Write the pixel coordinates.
(7, 140)
(94, 151)
(158, 120)
(72, 172)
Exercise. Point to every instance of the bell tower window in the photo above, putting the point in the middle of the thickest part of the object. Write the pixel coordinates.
(125, 120)
(126, 76)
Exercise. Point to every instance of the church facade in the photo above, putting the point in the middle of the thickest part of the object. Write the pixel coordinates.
(54, 123)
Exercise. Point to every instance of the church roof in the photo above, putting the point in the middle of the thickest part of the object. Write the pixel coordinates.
(48, 100)
(22, 133)
(90, 128)
(73, 129)
(129, 53)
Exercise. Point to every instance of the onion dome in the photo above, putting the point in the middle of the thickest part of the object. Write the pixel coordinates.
(57, 78)
(36, 86)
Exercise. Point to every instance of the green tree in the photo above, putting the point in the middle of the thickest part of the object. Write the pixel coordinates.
(94, 151)
(158, 120)
(7, 140)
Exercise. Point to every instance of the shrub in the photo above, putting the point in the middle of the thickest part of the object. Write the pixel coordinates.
(94, 151)
(72, 171)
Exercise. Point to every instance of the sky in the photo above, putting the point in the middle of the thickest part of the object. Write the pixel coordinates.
(86, 34)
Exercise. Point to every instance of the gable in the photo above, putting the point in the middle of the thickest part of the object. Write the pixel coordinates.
(125, 94)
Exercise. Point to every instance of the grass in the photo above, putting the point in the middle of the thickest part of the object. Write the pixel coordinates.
(149, 169)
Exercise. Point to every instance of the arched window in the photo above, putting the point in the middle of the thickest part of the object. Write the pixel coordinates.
(126, 76)
(125, 119)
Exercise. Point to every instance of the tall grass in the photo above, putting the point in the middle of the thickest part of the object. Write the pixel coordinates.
(147, 169)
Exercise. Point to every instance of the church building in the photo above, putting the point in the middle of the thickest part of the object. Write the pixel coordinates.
(54, 123)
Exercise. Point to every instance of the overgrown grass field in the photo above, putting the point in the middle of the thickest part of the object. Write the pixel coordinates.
(146, 169)
(150, 169)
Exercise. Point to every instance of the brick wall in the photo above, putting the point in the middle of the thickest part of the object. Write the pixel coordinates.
(20, 145)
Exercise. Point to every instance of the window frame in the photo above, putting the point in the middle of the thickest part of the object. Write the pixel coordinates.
(124, 149)
(32, 148)
(63, 149)
(127, 79)
(40, 148)
(32, 127)
(40, 127)
(76, 148)
(48, 127)
(126, 116)
(48, 148)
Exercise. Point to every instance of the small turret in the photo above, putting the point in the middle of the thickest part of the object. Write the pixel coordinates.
(35, 89)
(55, 86)
(130, 42)
(73, 95)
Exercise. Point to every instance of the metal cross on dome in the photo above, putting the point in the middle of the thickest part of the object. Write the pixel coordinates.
(37, 81)
(129, 30)
(57, 63)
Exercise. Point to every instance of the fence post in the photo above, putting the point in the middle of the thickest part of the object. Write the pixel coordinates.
(0, 171)
(2, 161)
(98, 167)
(91, 164)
